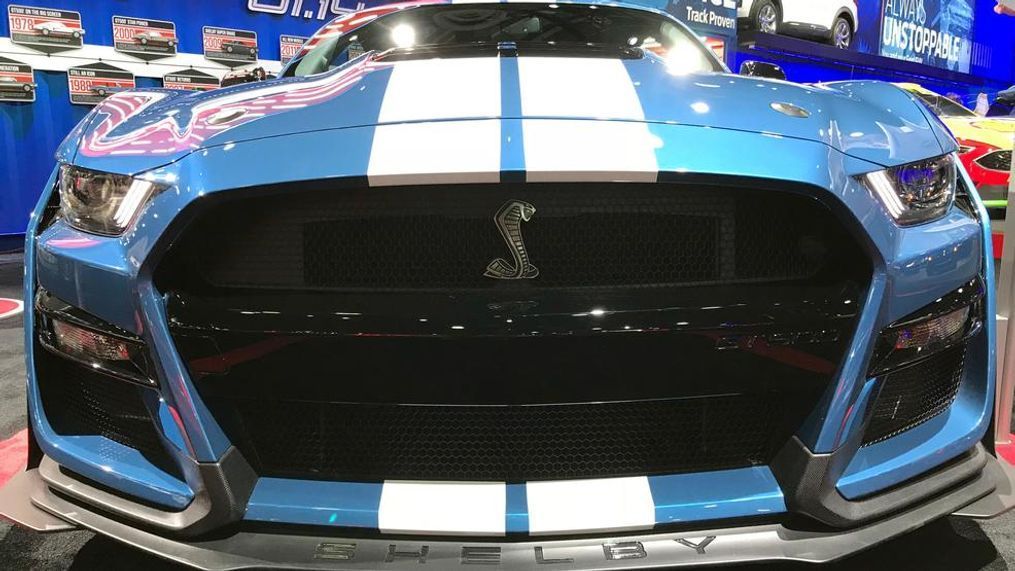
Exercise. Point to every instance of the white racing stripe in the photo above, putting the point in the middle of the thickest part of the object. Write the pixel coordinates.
(442, 89)
(584, 122)
(573, 150)
(613, 504)
(443, 152)
(416, 144)
(459, 508)
(594, 88)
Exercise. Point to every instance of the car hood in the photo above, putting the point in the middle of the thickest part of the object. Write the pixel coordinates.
(141, 129)
(999, 133)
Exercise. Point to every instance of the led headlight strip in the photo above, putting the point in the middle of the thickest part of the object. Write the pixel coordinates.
(916, 192)
(102, 203)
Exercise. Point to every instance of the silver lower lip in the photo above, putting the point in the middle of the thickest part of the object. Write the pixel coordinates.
(27, 498)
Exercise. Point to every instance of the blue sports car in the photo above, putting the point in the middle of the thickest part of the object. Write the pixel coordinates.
(512, 284)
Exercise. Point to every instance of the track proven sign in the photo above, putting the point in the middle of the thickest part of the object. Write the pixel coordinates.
(719, 16)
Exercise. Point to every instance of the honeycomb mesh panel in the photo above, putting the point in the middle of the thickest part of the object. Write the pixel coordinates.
(915, 394)
(79, 401)
(438, 238)
(370, 442)
(998, 160)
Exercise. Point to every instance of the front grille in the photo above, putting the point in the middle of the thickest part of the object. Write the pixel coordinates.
(997, 160)
(370, 442)
(79, 401)
(438, 238)
(351, 334)
(915, 394)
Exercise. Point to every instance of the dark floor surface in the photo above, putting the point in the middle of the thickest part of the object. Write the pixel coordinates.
(949, 544)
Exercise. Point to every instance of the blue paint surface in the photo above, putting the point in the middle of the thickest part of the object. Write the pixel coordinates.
(317, 503)
(739, 493)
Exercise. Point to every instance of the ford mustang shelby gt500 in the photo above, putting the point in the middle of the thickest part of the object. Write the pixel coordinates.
(514, 284)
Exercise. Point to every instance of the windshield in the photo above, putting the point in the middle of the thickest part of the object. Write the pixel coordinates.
(942, 106)
(543, 26)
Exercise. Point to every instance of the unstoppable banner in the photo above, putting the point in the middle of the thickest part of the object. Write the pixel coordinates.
(932, 32)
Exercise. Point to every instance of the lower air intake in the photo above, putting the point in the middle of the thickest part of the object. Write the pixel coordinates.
(361, 442)
(915, 394)
(81, 402)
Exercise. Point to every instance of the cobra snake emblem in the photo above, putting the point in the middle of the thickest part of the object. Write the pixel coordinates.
(509, 221)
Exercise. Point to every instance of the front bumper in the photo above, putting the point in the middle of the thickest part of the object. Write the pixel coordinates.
(927, 263)
(31, 499)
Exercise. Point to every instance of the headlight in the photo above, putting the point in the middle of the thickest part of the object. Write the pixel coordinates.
(917, 192)
(102, 203)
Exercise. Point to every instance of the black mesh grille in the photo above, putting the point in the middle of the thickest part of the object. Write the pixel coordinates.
(998, 160)
(351, 334)
(510, 443)
(915, 394)
(78, 401)
(444, 237)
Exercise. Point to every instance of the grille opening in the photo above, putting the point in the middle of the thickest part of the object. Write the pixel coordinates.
(78, 401)
(448, 409)
(374, 442)
(442, 238)
(915, 394)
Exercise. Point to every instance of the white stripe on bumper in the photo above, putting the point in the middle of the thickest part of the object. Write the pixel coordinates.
(443, 508)
(613, 504)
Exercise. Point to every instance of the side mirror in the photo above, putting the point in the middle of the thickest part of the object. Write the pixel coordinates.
(762, 69)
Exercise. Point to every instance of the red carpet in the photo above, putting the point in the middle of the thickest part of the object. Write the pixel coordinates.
(1007, 451)
(13, 455)
(9, 307)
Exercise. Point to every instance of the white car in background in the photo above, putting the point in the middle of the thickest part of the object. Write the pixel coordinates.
(58, 29)
(834, 21)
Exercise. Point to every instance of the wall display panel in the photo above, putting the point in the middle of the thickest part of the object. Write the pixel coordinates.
(289, 46)
(17, 81)
(48, 30)
(143, 38)
(190, 80)
(228, 46)
(90, 84)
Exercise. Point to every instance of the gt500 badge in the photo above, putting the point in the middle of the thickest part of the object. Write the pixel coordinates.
(728, 342)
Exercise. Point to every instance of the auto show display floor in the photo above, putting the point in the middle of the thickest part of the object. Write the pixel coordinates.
(949, 544)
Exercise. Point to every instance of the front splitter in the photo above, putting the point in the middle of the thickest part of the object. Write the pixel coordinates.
(28, 500)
